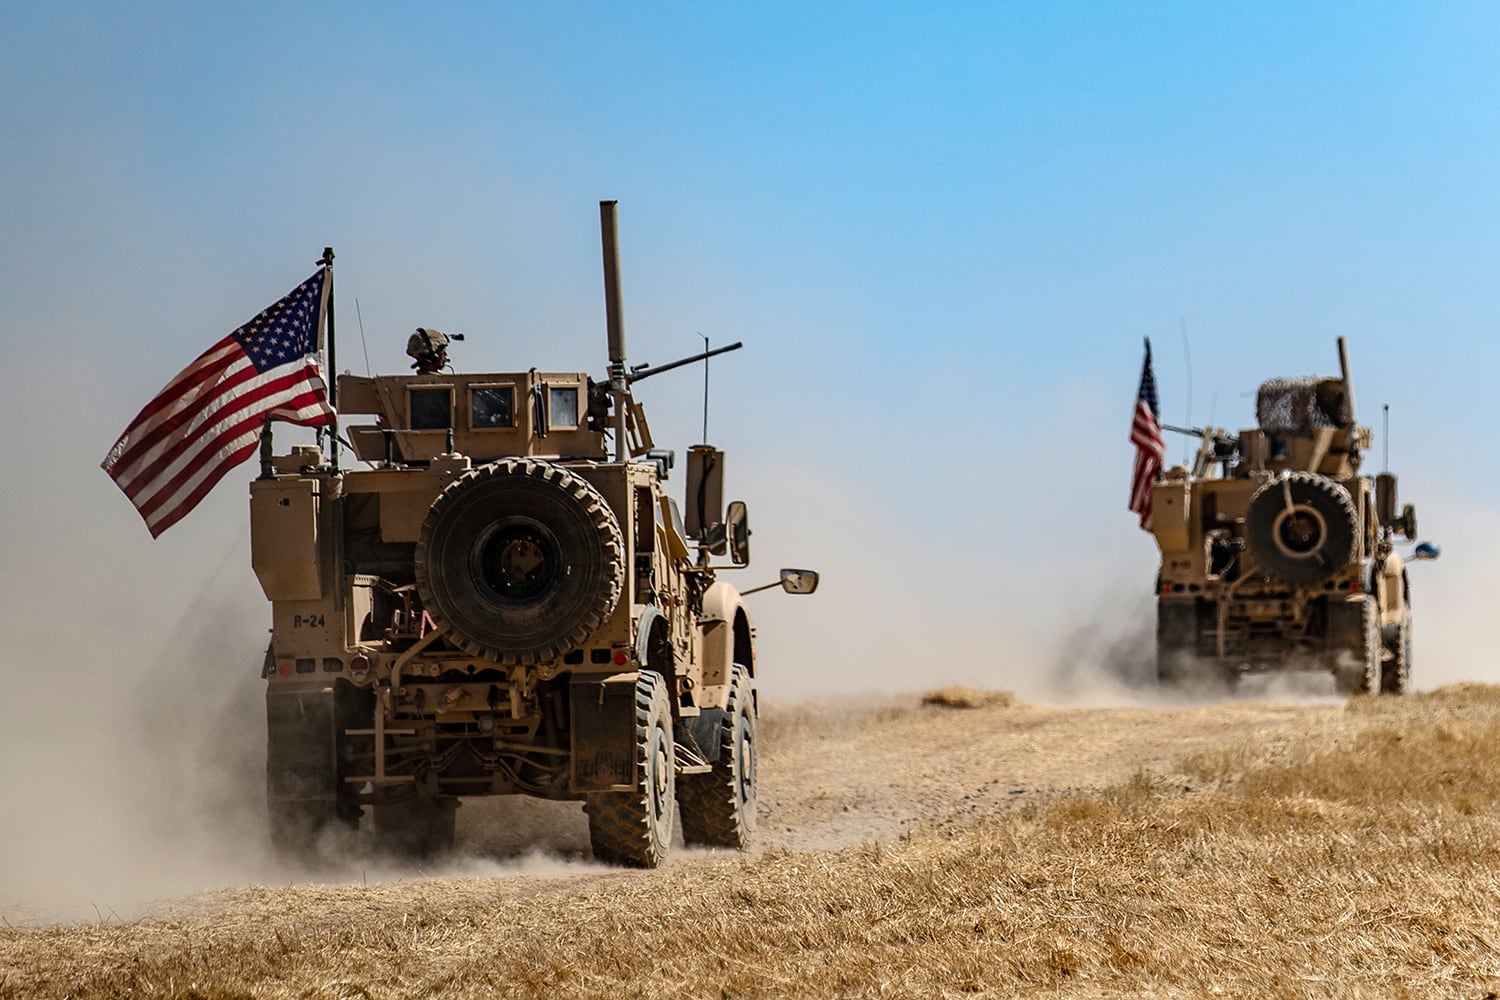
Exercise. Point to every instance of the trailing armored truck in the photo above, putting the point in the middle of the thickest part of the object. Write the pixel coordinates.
(1278, 554)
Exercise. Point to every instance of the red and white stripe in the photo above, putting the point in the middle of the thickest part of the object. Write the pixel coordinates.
(1150, 451)
(205, 422)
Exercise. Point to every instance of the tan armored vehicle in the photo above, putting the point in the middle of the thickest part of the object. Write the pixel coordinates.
(499, 606)
(1278, 555)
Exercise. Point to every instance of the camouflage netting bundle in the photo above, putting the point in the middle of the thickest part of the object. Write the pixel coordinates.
(1300, 405)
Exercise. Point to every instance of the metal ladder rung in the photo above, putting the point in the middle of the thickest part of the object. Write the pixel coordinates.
(689, 762)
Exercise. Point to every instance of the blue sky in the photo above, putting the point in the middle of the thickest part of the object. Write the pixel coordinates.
(941, 230)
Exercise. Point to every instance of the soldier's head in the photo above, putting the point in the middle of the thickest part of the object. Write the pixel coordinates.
(429, 349)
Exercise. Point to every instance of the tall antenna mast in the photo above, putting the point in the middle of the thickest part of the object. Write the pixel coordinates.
(1187, 352)
(1385, 438)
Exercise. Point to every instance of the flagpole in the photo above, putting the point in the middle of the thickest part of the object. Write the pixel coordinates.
(333, 382)
(333, 432)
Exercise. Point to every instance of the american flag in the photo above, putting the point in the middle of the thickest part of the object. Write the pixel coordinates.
(208, 419)
(1145, 434)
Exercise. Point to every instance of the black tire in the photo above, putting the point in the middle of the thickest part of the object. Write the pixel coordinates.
(306, 794)
(519, 561)
(417, 829)
(1178, 661)
(1176, 642)
(718, 808)
(298, 827)
(634, 828)
(1354, 645)
(1301, 529)
(1395, 672)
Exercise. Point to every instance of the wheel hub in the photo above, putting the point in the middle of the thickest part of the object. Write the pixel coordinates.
(1300, 531)
(518, 560)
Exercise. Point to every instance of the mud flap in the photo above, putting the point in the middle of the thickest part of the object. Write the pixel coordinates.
(602, 725)
(301, 742)
(705, 731)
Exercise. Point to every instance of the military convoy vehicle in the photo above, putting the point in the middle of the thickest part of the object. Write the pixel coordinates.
(1278, 555)
(500, 606)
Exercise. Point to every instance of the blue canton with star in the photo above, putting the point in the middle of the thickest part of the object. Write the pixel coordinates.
(286, 330)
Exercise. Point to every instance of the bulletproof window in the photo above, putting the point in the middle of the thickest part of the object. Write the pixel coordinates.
(562, 408)
(492, 406)
(431, 409)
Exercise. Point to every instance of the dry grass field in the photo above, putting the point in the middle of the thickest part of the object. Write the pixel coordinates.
(1244, 850)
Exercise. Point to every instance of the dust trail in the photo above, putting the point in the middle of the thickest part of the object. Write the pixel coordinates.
(1109, 660)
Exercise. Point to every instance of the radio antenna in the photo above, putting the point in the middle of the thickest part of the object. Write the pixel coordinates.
(1385, 435)
(705, 386)
(360, 317)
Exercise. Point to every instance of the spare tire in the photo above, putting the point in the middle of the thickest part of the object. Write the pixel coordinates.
(520, 561)
(1301, 529)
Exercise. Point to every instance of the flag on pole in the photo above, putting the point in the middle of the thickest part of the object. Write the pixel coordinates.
(1150, 449)
(208, 419)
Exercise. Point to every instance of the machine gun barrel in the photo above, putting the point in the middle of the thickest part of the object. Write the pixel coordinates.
(646, 371)
(1196, 432)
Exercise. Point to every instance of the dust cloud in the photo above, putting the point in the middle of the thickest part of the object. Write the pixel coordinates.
(132, 723)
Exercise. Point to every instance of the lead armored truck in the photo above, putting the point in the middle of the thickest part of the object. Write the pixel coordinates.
(499, 605)
(1277, 554)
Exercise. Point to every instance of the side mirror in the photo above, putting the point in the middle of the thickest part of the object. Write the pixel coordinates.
(1407, 522)
(1426, 551)
(737, 528)
(799, 581)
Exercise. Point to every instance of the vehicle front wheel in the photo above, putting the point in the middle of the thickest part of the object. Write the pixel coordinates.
(1395, 673)
(635, 828)
(718, 808)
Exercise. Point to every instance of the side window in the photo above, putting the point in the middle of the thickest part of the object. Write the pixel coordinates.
(431, 409)
(492, 406)
(562, 408)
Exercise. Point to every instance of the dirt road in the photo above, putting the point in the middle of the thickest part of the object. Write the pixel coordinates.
(835, 781)
(836, 776)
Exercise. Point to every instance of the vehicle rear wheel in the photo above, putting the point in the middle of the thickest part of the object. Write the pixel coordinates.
(718, 808)
(1176, 643)
(1354, 646)
(635, 828)
(297, 826)
(418, 829)
(306, 794)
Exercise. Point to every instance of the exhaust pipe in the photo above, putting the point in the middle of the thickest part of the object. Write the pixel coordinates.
(1348, 380)
(619, 387)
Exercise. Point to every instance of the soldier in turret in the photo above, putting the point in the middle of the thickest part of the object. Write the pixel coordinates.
(429, 349)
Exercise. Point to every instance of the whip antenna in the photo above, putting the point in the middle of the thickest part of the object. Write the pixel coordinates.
(1187, 352)
(362, 343)
(706, 352)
